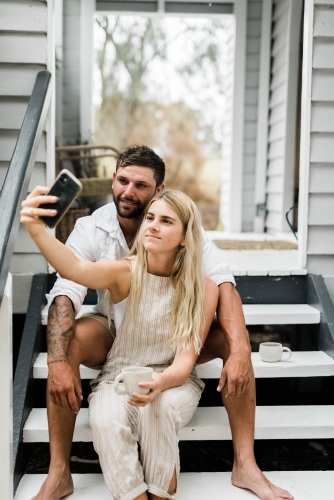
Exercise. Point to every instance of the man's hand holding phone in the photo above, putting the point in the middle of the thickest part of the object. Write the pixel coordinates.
(48, 206)
(31, 211)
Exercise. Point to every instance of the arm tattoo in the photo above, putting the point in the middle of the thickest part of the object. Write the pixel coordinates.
(61, 327)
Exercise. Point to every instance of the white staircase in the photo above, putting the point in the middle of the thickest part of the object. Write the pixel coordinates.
(308, 485)
(211, 423)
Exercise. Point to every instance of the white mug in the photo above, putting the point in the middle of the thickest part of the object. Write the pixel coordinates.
(273, 351)
(130, 377)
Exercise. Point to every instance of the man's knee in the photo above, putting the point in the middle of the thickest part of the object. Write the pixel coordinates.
(216, 344)
(77, 343)
(90, 343)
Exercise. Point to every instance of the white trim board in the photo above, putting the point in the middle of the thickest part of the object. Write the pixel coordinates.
(235, 210)
(6, 390)
(301, 364)
(305, 132)
(305, 485)
(255, 314)
(211, 423)
(87, 11)
(262, 116)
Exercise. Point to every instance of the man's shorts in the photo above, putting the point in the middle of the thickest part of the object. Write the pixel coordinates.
(103, 320)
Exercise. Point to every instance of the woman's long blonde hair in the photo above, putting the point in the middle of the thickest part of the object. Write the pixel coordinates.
(187, 273)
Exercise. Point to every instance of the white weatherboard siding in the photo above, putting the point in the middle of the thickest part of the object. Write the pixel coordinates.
(316, 221)
(253, 44)
(320, 221)
(26, 47)
(283, 112)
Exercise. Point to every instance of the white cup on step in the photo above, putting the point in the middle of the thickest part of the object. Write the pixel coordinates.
(130, 377)
(271, 352)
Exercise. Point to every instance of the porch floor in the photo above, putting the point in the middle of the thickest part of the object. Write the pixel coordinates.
(259, 262)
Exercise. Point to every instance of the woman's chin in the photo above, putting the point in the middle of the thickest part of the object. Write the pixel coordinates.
(151, 248)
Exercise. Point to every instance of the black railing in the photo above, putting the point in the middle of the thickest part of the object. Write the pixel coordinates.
(16, 183)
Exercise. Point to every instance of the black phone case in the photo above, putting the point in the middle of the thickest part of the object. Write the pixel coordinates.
(66, 189)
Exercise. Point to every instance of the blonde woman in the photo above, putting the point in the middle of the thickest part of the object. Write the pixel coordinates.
(163, 309)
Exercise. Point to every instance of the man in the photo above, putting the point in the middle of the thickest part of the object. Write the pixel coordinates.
(109, 233)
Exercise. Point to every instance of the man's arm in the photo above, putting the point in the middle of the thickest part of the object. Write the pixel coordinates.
(64, 301)
(60, 329)
(63, 386)
(238, 368)
(80, 242)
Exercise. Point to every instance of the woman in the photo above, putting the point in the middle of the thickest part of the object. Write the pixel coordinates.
(163, 310)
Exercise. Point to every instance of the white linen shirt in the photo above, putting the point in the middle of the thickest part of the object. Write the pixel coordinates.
(99, 237)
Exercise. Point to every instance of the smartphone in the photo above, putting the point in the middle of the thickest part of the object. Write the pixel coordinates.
(66, 187)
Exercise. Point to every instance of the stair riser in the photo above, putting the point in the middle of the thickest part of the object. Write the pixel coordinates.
(211, 423)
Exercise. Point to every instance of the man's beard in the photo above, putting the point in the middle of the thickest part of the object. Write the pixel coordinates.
(131, 213)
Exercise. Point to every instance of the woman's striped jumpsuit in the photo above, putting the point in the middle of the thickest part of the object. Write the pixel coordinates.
(117, 425)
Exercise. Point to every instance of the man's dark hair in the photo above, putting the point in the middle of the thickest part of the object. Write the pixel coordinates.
(143, 156)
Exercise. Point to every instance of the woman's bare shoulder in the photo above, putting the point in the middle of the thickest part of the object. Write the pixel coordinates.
(120, 275)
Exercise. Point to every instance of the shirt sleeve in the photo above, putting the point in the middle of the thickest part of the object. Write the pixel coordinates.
(81, 243)
(213, 265)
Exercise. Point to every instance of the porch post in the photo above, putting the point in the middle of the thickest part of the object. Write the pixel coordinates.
(87, 10)
(305, 134)
(235, 209)
(6, 391)
(262, 119)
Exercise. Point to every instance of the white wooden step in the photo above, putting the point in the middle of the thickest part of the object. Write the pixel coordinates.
(303, 485)
(211, 423)
(255, 314)
(301, 364)
(280, 314)
(263, 262)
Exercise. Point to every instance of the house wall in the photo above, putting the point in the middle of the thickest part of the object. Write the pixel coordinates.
(320, 219)
(283, 105)
(25, 49)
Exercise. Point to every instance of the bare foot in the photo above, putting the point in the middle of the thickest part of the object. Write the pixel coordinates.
(55, 487)
(251, 478)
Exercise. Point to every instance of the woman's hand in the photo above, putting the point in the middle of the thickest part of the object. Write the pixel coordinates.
(157, 385)
(31, 212)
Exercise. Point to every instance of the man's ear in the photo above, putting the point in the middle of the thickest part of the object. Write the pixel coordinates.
(113, 176)
(160, 188)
